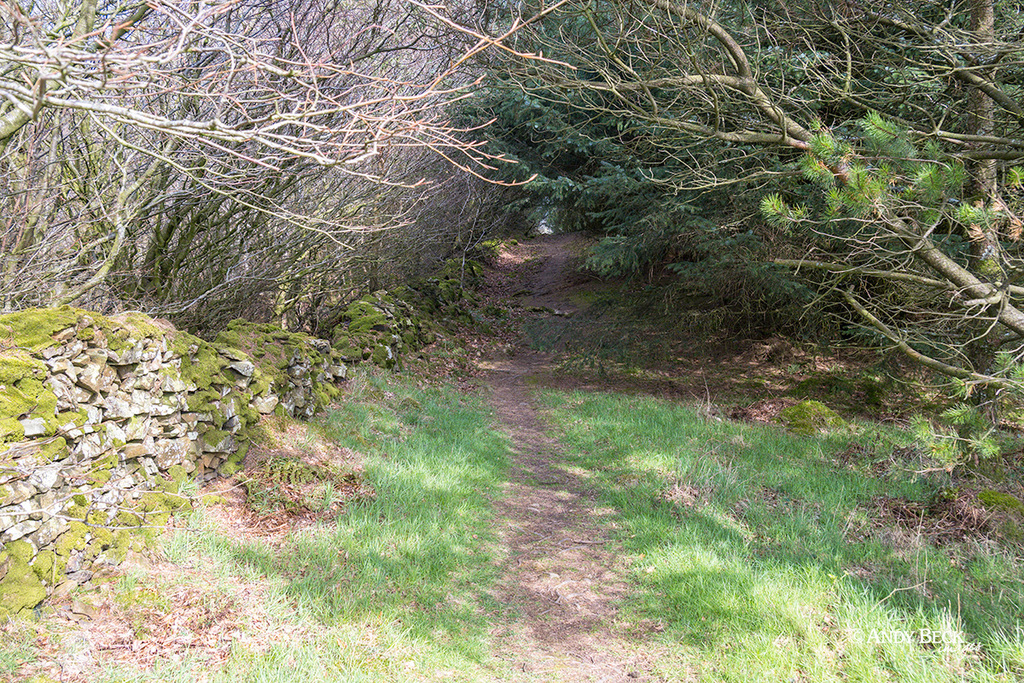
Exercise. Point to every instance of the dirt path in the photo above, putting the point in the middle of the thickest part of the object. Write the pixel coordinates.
(563, 576)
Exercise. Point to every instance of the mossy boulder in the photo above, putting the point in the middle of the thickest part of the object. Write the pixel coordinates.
(380, 327)
(367, 315)
(273, 351)
(45, 565)
(16, 364)
(810, 417)
(34, 329)
(464, 272)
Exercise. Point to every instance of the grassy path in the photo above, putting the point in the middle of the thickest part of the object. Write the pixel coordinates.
(649, 541)
(533, 534)
(561, 579)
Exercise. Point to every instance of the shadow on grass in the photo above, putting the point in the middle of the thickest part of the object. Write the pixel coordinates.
(768, 549)
(421, 553)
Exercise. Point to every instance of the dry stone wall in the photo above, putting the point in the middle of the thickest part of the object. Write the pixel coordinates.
(103, 419)
(380, 328)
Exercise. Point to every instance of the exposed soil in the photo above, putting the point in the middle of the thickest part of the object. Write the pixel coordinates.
(563, 575)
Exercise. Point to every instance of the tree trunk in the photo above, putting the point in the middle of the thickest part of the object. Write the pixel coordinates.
(984, 238)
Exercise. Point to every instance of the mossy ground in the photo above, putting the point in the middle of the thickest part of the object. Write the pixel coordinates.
(1007, 514)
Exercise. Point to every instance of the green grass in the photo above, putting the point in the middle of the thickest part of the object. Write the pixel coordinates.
(16, 648)
(764, 566)
(753, 555)
(397, 589)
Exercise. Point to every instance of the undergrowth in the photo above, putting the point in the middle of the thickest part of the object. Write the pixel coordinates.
(288, 484)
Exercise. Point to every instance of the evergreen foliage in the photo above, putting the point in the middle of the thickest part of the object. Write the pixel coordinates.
(881, 146)
(601, 173)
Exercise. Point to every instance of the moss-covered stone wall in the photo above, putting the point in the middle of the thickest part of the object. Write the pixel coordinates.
(102, 419)
(379, 328)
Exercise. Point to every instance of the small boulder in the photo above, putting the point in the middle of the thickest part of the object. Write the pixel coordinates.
(810, 417)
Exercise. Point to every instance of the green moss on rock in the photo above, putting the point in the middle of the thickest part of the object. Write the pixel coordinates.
(16, 364)
(34, 328)
(71, 540)
(76, 417)
(379, 328)
(20, 588)
(162, 501)
(205, 367)
(121, 544)
(20, 550)
(142, 326)
(155, 520)
(364, 316)
(14, 403)
(215, 436)
(383, 357)
(97, 518)
(231, 466)
(28, 398)
(107, 462)
(54, 449)
(10, 430)
(127, 519)
(44, 565)
(271, 349)
(102, 537)
(178, 474)
(810, 417)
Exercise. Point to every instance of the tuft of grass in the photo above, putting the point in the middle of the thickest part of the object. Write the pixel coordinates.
(17, 648)
(758, 554)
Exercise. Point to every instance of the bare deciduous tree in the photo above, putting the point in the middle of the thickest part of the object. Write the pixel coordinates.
(186, 156)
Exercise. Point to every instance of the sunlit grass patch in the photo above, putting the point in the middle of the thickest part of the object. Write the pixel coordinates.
(395, 588)
(755, 550)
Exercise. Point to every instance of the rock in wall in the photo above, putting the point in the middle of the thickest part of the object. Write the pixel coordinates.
(102, 420)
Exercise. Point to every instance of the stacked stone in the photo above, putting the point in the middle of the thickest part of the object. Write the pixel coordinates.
(379, 328)
(298, 391)
(103, 424)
